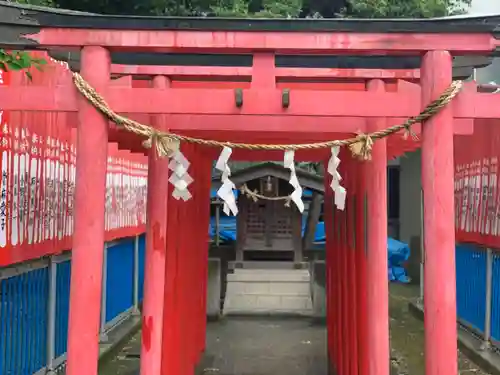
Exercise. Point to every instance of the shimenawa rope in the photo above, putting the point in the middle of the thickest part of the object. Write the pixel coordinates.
(167, 143)
(255, 196)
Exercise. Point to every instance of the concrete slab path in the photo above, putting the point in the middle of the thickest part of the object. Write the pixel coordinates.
(248, 346)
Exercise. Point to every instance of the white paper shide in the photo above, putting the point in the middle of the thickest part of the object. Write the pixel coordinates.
(296, 196)
(226, 192)
(340, 191)
(180, 177)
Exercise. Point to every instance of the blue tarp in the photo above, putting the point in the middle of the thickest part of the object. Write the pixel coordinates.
(397, 252)
(227, 228)
(213, 193)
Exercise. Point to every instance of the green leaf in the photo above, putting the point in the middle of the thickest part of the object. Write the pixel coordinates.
(14, 65)
(28, 74)
(24, 60)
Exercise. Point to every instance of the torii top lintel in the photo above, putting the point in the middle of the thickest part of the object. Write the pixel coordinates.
(24, 26)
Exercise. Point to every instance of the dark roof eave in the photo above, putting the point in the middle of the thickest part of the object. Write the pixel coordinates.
(28, 15)
(462, 66)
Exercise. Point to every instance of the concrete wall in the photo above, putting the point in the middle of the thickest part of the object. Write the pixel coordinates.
(409, 210)
(318, 288)
(410, 196)
(214, 288)
(492, 72)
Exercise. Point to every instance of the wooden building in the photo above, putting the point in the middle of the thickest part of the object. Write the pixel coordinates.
(271, 229)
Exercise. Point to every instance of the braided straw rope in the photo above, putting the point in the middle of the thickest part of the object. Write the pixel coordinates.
(167, 143)
(256, 196)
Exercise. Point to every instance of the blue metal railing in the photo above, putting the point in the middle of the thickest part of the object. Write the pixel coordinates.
(142, 259)
(23, 321)
(63, 277)
(478, 291)
(495, 299)
(119, 284)
(471, 285)
(25, 294)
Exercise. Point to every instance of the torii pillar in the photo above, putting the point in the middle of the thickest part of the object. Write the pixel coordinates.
(156, 233)
(439, 234)
(88, 236)
(377, 289)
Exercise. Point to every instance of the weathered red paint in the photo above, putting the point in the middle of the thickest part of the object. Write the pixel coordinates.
(88, 236)
(206, 178)
(224, 73)
(154, 282)
(341, 271)
(439, 232)
(331, 293)
(171, 360)
(346, 311)
(147, 329)
(277, 41)
(377, 289)
(185, 289)
(351, 261)
(261, 102)
(158, 238)
(361, 281)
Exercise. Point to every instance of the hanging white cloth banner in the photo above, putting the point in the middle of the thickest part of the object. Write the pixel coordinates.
(296, 196)
(340, 192)
(180, 177)
(225, 192)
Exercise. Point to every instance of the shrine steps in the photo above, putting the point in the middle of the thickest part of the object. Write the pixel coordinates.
(268, 292)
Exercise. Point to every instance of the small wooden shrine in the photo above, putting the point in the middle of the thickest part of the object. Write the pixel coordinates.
(269, 226)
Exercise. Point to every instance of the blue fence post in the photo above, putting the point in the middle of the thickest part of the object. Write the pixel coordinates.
(103, 337)
(135, 310)
(51, 316)
(489, 287)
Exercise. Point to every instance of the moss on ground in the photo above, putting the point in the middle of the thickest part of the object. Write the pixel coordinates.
(407, 336)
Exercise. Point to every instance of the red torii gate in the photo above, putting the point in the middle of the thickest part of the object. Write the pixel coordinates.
(174, 326)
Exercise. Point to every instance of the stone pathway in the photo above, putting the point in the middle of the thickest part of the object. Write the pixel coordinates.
(250, 346)
(267, 347)
(256, 346)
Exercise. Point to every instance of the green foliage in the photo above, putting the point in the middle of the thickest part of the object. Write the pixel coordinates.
(19, 60)
(267, 8)
(47, 3)
(405, 8)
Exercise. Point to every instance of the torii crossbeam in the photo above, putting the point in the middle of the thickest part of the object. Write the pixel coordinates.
(260, 107)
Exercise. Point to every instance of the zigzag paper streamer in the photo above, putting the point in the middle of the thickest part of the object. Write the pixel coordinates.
(296, 195)
(180, 177)
(225, 192)
(340, 192)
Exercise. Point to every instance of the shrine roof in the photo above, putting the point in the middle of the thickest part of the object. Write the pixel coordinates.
(307, 179)
(18, 20)
(29, 15)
